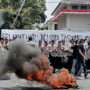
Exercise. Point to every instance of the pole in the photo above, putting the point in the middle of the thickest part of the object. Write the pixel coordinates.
(18, 13)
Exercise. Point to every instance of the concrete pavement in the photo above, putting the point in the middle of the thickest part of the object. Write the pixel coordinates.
(16, 84)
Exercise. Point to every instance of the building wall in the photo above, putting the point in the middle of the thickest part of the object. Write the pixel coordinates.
(61, 22)
(51, 25)
(78, 22)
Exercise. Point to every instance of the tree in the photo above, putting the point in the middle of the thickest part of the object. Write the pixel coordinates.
(32, 12)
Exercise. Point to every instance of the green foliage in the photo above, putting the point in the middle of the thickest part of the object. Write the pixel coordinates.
(32, 12)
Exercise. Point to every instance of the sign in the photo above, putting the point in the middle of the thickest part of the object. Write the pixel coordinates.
(45, 35)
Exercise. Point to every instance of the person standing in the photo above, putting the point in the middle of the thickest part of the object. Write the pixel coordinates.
(75, 56)
(52, 54)
(6, 44)
(40, 45)
(1, 42)
(30, 42)
(88, 55)
(81, 58)
(45, 49)
(52, 48)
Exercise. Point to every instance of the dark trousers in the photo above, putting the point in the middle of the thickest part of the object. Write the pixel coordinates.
(80, 62)
(88, 64)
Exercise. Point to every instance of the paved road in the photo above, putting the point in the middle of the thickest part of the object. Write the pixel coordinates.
(15, 84)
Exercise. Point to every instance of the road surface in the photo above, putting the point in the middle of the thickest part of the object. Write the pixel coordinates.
(19, 84)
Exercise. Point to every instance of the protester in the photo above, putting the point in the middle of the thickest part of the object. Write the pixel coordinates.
(40, 45)
(81, 59)
(45, 49)
(6, 43)
(71, 55)
(70, 45)
(88, 55)
(88, 50)
(75, 56)
(1, 42)
(52, 48)
(60, 49)
(30, 42)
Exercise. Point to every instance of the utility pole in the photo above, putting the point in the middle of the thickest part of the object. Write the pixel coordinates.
(1, 21)
(18, 13)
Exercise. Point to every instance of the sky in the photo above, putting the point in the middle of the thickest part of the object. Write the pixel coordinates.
(51, 5)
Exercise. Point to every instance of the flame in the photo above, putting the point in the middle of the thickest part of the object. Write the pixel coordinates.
(66, 79)
(29, 77)
(54, 82)
(61, 80)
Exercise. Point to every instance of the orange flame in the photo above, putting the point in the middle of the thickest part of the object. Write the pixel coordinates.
(46, 76)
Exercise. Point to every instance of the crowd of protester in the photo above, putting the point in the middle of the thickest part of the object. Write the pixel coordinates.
(76, 53)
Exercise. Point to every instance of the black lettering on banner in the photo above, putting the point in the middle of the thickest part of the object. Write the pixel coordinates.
(17, 35)
(46, 36)
(54, 37)
(5, 35)
(63, 36)
(27, 36)
(76, 37)
(22, 36)
(34, 37)
(43, 37)
(69, 37)
(87, 37)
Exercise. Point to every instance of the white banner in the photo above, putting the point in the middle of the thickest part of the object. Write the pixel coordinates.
(45, 35)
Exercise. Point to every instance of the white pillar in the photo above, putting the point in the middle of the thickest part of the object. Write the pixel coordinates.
(68, 22)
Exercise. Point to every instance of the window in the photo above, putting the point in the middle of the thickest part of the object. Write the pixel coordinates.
(83, 7)
(65, 7)
(74, 7)
(55, 27)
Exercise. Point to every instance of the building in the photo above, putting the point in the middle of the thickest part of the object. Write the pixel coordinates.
(71, 15)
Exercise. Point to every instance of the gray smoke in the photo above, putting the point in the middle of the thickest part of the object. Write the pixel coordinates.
(21, 55)
(3, 61)
(20, 52)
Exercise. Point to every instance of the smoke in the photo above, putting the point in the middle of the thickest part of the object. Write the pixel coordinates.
(20, 53)
(27, 62)
(3, 60)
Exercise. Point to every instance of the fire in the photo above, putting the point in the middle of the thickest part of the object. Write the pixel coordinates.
(66, 79)
(54, 82)
(29, 77)
(61, 80)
